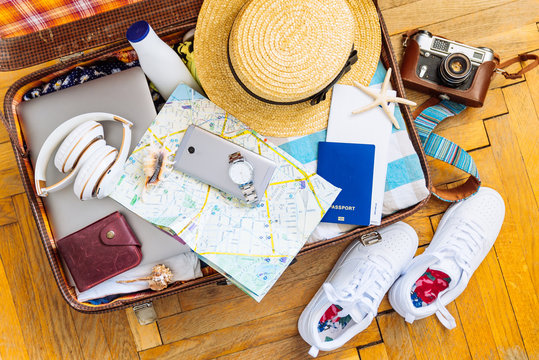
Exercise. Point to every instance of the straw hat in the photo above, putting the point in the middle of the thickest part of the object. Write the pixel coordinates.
(264, 60)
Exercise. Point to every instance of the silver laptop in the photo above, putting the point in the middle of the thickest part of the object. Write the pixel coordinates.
(125, 94)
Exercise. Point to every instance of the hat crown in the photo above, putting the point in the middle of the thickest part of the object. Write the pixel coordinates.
(289, 50)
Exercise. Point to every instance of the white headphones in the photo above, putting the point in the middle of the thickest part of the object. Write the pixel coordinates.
(83, 152)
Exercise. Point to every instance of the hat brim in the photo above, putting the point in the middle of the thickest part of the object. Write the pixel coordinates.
(211, 40)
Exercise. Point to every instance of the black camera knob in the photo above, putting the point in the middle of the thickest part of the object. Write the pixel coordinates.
(425, 32)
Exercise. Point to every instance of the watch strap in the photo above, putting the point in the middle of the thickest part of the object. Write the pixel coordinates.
(249, 192)
(232, 158)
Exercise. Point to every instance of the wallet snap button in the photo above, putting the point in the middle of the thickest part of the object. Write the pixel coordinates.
(110, 234)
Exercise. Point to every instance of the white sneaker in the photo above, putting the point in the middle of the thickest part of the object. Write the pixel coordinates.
(348, 300)
(435, 278)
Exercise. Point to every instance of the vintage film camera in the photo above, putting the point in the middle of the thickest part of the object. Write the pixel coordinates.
(447, 69)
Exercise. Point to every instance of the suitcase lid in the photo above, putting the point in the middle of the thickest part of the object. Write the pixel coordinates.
(32, 33)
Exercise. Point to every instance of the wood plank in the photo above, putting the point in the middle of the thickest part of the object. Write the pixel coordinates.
(235, 311)
(295, 348)
(375, 352)
(7, 158)
(12, 344)
(7, 212)
(532, 79)
(525, 125)
(240, 337)
(57, 314)
(474, 321)
(425, 341)
(396, 337)
(481, 28)
(494, 106)
(420, 14)
(118, 336)
(39, 341)
(261, 332)
(350, 354)
(511, 163)
(510, 246)
(494, 294)
(4, 137)
(453, 342)
(388, 4)
(91, 335)
(145, 336)
(423, 228)
(469, 136)
(167, 306)
(11, 182)
(494, 299)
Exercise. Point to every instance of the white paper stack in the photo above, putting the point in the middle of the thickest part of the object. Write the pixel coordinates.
(369, 127)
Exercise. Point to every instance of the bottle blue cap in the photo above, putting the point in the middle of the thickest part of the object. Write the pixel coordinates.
(138, 31)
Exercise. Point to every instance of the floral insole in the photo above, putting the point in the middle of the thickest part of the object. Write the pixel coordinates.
(428, 286)
(331, 325)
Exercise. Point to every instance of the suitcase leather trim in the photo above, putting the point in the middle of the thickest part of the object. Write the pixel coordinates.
(14, 95)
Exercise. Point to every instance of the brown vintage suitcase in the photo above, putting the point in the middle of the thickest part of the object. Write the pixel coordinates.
(97, 37)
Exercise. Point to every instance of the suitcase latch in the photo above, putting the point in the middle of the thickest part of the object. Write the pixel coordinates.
(145, 313)
(370, 238)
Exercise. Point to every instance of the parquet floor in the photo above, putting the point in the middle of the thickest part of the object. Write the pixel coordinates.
(497, 315)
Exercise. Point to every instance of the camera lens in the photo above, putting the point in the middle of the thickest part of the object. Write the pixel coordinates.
(455, 69)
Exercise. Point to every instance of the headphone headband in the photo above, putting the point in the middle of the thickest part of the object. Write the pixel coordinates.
(56, 137)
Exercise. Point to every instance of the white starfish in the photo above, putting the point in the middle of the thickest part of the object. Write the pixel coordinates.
(382, 99)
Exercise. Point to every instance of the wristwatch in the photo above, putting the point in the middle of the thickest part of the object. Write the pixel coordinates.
(242, 174)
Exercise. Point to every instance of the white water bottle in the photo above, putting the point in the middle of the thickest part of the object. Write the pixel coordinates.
(159, 61)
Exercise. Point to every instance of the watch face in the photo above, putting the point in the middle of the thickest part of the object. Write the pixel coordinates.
(241, 172)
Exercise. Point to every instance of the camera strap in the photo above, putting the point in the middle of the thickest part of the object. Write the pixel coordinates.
(518, 58)
(427, 117)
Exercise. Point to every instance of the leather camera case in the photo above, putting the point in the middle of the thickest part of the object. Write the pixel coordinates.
(474, 96)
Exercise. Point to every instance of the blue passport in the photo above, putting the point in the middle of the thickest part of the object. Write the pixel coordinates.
(350, 167)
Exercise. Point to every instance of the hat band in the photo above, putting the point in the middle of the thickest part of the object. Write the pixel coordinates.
(314, 99)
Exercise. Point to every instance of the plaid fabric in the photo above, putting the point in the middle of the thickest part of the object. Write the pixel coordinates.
(20, 17)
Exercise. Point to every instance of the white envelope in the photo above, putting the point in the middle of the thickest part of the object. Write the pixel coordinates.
(369, 127)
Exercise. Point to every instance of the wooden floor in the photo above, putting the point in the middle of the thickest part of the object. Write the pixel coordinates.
(497, 316)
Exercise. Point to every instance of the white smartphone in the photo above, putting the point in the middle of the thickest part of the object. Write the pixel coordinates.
(205, 156)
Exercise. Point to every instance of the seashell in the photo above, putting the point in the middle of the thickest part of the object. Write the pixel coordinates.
(157, 165)
(159, 279)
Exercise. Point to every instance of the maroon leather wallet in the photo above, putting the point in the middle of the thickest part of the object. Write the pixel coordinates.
(100, 251)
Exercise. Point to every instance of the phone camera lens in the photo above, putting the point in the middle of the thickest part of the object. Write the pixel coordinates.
(191, 149)
(455, 69)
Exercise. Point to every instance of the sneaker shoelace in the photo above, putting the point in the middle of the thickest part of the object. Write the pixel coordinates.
(365, 290)
(466, 243)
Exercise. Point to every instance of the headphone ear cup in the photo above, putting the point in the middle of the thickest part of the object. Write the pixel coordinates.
(76, 144)
(93, 170)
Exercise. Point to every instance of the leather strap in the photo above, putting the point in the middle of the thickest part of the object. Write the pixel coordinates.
(427, 117)
(519, 58)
